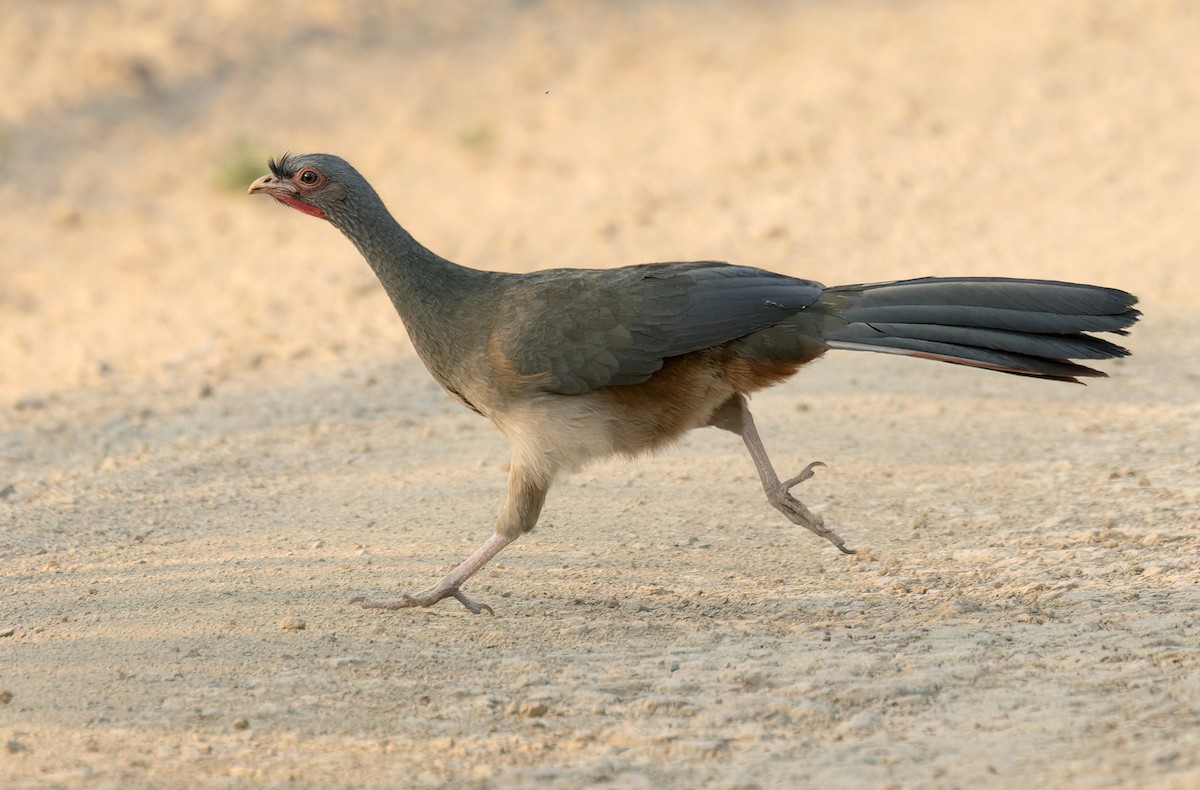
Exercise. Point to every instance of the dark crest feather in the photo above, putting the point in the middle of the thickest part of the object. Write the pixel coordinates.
(284, 167)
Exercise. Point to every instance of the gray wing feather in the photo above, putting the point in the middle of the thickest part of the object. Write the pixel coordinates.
(734, 301)
(579, 329)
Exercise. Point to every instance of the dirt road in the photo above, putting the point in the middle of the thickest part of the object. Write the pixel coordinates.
(213, 432)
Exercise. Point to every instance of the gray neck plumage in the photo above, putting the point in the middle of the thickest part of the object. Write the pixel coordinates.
(432, 295)
(411, 274)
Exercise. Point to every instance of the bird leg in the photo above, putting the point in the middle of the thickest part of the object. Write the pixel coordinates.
(734, 415)
(526, 494)
(448, 586)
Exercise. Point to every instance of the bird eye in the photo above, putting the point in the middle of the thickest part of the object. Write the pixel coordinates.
(309, 177)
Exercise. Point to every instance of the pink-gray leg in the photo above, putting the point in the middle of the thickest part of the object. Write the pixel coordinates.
(526, 494)
(734, 415)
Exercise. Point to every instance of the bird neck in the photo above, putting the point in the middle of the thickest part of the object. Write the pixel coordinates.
(432, 295)
(414, 277)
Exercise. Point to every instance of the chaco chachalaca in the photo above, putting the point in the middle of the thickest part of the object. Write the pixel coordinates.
(577, 364)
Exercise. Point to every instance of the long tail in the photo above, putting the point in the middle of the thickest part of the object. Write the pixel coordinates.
(1024, 327)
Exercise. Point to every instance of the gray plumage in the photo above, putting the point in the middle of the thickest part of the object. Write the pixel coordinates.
(576, 364)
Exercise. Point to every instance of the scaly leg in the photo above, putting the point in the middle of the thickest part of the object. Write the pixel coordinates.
(526, 494)
(734, 415)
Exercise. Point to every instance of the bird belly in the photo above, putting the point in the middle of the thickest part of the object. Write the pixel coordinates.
(551, 432)
(679, 397)
(554, 432)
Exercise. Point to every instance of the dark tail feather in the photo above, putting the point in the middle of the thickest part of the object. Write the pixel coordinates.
(1024, 327)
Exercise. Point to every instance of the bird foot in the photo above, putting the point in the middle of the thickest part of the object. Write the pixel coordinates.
(427, 597)
(805, 473)
(781, 498)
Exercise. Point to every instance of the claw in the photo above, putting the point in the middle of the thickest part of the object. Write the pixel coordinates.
(805, 474)
(780, 496)
(472, 606)
(426, 598)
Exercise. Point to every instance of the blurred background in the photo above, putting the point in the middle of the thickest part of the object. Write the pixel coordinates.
(840, 142)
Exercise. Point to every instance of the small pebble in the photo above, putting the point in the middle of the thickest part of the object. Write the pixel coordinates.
(533, 710)
(292, 624)
(241, 723)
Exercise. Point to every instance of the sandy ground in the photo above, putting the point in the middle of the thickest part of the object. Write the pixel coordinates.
(213, 429)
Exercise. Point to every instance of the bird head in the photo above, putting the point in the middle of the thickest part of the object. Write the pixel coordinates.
(320, 185)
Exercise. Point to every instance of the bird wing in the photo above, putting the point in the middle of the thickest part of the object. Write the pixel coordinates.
(572, 330)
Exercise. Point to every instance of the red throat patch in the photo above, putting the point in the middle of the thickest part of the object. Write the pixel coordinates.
(301, 206)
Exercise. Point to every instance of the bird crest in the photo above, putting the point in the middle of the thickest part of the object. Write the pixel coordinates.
(285, 167)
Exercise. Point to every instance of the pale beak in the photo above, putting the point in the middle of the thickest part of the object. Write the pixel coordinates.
(273, 185)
